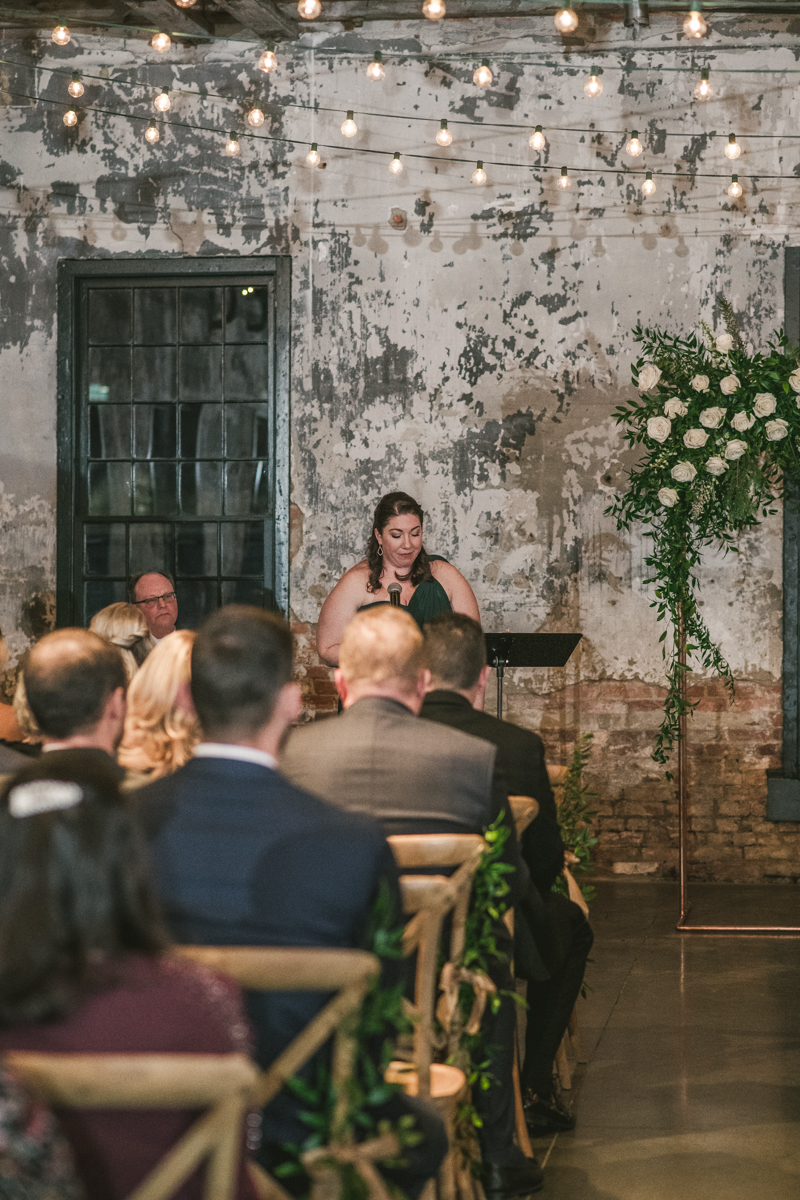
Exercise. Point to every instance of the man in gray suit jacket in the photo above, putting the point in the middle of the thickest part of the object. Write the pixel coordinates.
(377, 758)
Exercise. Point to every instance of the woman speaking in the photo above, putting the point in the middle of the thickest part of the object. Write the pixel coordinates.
(396, 559)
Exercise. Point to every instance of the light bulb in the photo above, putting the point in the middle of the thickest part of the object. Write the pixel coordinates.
(703, 90)
(434, 10)
(309, 9)
(566, 20)
(161, 42)
(61, 35)
(186, 3)
(268, 62)
(733, 149)
(734, 187)
(70, 118)
(443, 135)
(232, 147)
(479, 175)
(483, 75)
(395, 166)
(537, 140)
(375, 70)
(151, 134)
(162, 102)
(255, 117)
(75, 87)
(694, 26)
(594, 84)
(564, 181)
(634, 146)
(313, 158)
(349, 127)
(648, 187)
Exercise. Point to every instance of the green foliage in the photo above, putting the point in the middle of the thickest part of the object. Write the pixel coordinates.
(577, 819)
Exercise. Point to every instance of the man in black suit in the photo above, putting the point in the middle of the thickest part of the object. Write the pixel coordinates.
(455, 654)
(378, 758)
(241, 857)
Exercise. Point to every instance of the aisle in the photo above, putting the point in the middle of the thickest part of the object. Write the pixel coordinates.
(692, 1090)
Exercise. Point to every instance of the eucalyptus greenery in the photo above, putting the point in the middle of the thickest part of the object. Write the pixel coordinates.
(719, 426)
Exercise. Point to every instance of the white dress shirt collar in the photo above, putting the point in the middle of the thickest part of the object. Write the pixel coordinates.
(239, 753)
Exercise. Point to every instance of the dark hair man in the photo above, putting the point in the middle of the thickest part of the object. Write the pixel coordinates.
(455, 655)
(242, 857)
(153, 593)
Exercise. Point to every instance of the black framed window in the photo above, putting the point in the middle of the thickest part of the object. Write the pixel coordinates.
(173, 432)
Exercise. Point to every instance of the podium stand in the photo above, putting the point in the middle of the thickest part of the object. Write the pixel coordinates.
(527, 650)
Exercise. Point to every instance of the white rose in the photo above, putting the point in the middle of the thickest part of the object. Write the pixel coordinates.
(668, 497)
(712, 418)
(741, 421)
(776, 430)
(676, 408)
(794, 381)
(693, 439)
(648, 377)
(659, 428)
(735, 449)
(724, 343)
(700, 383)
(716, 466)
(728, 385)
(764, 404)
(684, 472)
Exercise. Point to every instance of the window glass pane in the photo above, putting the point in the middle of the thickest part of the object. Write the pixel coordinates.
(196, 601)
(105, 549)
(101, 592)
(155, 316)
(150, 548)
(154, 431)
(246, 488)
(247, 430)
(153, 489)
(201, 373)
(246, 314)
(196, 548)
(109, 431)
(243, 591)
(109, 316)
(247, 373)
(243, 548)
(201, 430)
(110, 375)
(201, 315)
(155, 376)
(201, 489)
(109, 490)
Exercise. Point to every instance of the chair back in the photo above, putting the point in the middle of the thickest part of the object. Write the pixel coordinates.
(524, 810)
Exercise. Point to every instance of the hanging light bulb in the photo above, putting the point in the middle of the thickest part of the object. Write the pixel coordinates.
(594, 84)
(161, 42)
(483, 75)
(268, 62)
(255, 117)
(479, 175)
(395, 166)
(733, 149)
(349, 127)
(70, 118)
(694, 26)
(703, 90)
(61, 35)
(566, 20)
(734, 187)
(443, 135)
(151, 134)
(434, 10)
(186, 3)
(309, 9)
(537, 140)
(648, 187)
(162, 102)
(232, 147)
(75, 87)
(634, 146)
(564, 181)
(375, 70)
(313, 158)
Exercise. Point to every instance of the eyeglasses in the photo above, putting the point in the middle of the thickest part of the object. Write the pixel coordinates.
(168, 597)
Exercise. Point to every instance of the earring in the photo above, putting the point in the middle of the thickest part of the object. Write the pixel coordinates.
(380, 551)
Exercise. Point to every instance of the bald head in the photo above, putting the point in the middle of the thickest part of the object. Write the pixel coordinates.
(381, 655)
(69, 677)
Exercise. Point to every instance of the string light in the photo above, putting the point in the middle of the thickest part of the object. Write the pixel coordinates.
(537, 140)
(395, 166)
(186, 3)
(434, 10)
(349, 127)
(733, 149)
(479, 175)
(648, 187)
(313, 158)
(162, 102)
(151, 134)
(734, 187)
(75, 87)
(61, 35)
(255, 117)
(70, 118)
(375, 70)
(161, 42)
(564, 181)
(309, 9)
(634, 146)
(594, 84)
(566, 20)
(483, 74)
(268, 62)
(703, 90)
(694, 26)
(232, 147)
(443, 136)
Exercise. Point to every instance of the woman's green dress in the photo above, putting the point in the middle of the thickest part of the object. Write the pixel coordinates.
(428, 601)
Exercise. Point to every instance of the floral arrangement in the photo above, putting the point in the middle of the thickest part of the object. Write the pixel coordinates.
(720, 429)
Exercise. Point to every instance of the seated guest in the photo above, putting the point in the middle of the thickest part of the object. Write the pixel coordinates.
(153, 592)
(455, 654)
(241, 857)
(81, 966)
(35, 1159)
(161, 727)
(378, 759)
(125, 627)
(10, 732)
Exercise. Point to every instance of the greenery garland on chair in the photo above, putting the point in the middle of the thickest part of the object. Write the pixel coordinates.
(720, 430)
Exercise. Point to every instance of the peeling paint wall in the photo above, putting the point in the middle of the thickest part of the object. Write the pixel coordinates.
(473, 359)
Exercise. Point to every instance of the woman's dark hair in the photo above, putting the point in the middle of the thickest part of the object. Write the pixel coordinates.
(75, 891)
(395, 504)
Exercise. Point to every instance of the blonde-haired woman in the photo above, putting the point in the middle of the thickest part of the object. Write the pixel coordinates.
(160, 733)
(125, 627)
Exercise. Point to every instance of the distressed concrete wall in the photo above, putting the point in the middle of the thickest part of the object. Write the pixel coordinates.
(474, 359)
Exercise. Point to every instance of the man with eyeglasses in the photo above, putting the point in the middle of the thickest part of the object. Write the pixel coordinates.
(153, 593)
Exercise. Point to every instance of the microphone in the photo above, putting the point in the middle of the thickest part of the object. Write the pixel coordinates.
(394, 591)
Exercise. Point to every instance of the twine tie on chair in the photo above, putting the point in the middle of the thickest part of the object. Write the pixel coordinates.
(451, 979)
(327, 1182)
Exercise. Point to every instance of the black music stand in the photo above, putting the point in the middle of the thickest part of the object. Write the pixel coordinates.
(527, 650)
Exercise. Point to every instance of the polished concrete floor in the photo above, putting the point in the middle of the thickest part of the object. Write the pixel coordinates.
(692, 1088)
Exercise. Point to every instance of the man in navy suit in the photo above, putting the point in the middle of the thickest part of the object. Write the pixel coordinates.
(242, 857)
